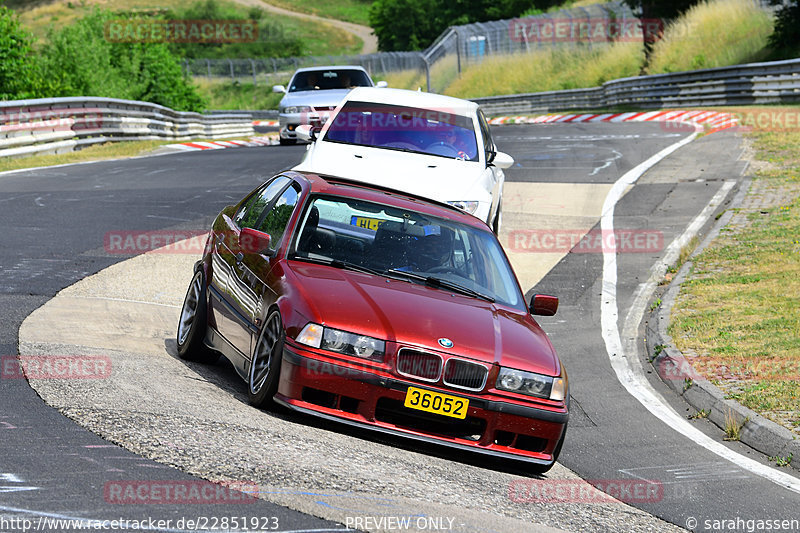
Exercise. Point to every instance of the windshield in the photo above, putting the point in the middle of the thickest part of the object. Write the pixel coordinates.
(350, 232)
(427, 131)
(314, 80)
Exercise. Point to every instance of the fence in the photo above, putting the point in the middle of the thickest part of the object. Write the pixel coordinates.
(442, 61)
(56, 125)
(755, 83)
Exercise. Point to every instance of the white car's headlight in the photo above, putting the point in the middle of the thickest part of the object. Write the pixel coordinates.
(531, 384)
(466, 205)
(296, 109)
(340, 341)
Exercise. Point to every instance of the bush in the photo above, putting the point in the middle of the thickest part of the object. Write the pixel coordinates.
(84, 62)
(20, 71)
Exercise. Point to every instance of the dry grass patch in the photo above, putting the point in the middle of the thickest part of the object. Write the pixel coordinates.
(92, 153)
(740, 308)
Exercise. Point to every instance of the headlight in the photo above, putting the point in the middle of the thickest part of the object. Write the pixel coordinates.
(296, 109)
(468, 206)
(531, 384)
(340, 341)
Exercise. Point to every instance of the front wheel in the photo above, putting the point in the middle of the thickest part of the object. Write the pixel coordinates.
(265, 364)
(193, 323)
(498, 219)
(287, 142)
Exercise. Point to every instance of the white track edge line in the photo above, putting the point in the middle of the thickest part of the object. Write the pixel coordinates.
(624, 358)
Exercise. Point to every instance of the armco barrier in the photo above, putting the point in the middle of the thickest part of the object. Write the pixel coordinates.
(56, 125)
(775, 82)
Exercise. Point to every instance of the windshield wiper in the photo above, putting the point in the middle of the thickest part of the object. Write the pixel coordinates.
(434, 281)
(336, 263)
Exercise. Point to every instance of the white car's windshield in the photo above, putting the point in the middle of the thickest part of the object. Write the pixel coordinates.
(316, 80)
(427, 131)
(407, 244)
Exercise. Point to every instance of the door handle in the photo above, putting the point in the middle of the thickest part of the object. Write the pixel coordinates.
(239, 258)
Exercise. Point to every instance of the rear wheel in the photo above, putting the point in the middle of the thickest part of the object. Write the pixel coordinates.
(265, 366)
(193, 323)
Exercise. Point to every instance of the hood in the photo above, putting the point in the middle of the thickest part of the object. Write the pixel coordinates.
(320, 98)
(415, 315)
(439, 178)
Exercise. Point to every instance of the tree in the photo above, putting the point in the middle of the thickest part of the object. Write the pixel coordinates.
(657, 10)
(785, 39)
(20, 72)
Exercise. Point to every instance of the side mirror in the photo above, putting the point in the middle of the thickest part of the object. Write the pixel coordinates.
(382, 84)
(307, 132)
(544, 305)
(254, 242)
(502, 160)
(279, 89)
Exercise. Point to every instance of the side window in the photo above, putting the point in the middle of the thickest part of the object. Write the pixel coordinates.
(277, 218)
(253, 208)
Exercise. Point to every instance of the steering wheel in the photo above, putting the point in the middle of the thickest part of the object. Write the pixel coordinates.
(442, 148)
(443, 269)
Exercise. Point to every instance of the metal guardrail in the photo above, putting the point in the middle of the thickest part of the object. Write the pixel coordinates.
(57, 125)
(775, 82)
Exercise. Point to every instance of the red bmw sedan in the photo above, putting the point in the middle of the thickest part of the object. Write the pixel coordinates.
(375, 308)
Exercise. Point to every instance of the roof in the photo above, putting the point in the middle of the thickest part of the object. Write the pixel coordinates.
(375, 193)
(331, 67)
(404, 97)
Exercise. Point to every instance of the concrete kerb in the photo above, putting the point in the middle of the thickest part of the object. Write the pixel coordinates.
(671, 365)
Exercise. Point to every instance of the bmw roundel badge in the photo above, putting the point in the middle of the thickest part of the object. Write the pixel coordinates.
(444, 342)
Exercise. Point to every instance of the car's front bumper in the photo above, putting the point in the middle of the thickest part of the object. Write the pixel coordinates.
(375, 399)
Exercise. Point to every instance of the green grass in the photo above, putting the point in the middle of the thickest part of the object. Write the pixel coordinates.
(739, 309)
(356, 11)
(318, 38)
(564, 68)
(714, 33)
(92, 153)
(225, 94)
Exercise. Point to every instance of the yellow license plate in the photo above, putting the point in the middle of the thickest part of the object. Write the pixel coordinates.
(366, 222)
(435, 402)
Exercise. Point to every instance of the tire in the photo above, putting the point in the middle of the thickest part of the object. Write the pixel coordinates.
(265, 365)
(193, 323)
(287, 142)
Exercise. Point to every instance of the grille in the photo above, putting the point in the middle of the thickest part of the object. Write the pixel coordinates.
(422, 365)
(324, 108)
(465, 375)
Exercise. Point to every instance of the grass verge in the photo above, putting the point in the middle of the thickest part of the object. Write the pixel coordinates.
(91, 153)
(739, 309)
(222, 93)
(714, 33)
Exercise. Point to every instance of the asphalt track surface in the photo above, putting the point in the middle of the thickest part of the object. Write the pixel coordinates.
(53, 220)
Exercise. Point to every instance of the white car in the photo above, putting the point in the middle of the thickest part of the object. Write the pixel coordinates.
(429, 145)
(313, 93)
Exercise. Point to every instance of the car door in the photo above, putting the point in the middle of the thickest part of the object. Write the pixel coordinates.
(494, 174)
(233, 301)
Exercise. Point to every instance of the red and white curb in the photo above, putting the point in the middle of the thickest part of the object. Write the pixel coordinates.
(216, 145)
(710, 120)
(265, 123)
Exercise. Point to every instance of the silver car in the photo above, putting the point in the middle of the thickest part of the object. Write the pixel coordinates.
(314, 93)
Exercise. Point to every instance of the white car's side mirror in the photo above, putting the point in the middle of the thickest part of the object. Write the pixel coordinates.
(306, 132)
(381, 84)
(502, 160)
(279, 89)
